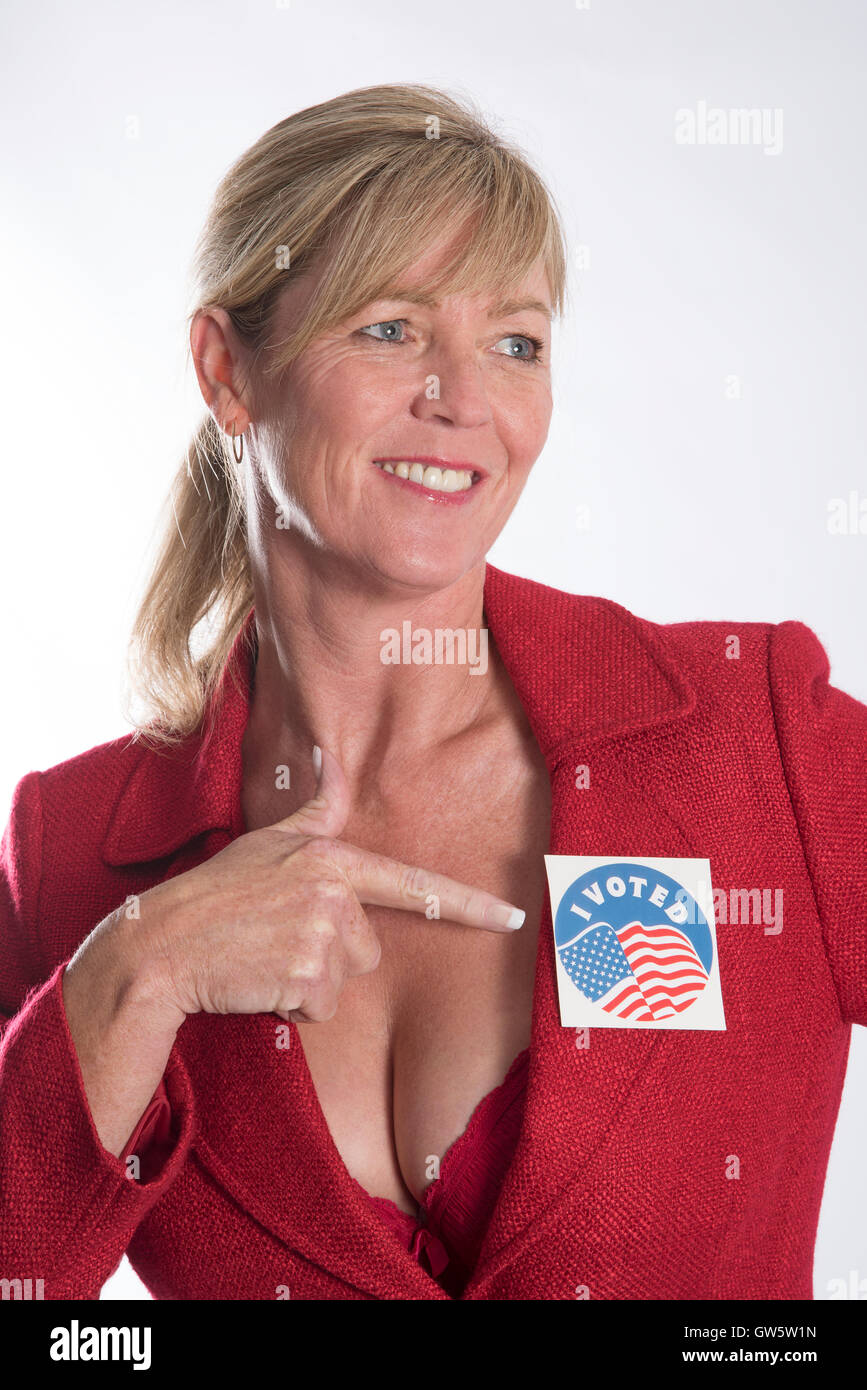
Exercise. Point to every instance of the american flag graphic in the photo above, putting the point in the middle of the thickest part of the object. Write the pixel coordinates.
(637, 972)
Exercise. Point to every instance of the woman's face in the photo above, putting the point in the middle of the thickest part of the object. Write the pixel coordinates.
(457, 385)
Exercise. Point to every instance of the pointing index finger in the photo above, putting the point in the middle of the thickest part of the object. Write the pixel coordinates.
(383, 882)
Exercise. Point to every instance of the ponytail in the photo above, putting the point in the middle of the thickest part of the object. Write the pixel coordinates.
(202, 565)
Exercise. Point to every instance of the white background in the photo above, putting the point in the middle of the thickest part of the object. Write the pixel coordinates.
(704, 263)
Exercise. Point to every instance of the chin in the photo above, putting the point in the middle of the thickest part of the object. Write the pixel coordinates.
(425, 568)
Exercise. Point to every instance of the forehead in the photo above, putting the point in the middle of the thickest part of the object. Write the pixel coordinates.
(437, 276)
(426, 282)
(497, 304)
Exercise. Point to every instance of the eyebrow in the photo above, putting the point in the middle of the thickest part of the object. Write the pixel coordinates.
(502, 310)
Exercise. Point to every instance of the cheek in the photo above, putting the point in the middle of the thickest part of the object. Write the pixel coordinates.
(524, 429)
(347, 393)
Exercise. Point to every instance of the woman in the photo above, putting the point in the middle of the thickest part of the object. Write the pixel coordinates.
(280, 970)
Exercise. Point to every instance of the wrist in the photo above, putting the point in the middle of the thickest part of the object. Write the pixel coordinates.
(115, 976)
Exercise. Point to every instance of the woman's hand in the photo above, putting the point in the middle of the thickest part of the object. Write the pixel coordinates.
(275, 922)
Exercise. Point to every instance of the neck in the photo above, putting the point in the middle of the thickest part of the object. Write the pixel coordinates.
(326, 675)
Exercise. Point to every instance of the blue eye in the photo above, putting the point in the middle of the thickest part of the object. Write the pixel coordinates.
(385, 323)
(536, 344)
(391, 327)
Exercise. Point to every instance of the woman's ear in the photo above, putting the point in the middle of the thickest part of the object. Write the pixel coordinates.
(219, 361)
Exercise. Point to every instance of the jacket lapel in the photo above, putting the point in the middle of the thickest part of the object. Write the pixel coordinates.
(262, 1134)
(575, 1096)
(592, 677)
(589, 675)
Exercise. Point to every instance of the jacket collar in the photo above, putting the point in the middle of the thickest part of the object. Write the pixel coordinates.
(583, 667)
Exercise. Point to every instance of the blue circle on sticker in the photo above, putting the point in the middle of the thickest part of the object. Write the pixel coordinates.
(634, 941)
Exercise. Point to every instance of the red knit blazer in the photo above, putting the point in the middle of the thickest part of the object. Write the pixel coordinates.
(621, 1181)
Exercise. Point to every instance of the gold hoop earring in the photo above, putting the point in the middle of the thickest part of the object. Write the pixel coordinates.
(238, 457)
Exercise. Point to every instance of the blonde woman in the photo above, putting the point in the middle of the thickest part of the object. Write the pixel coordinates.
(278, 972)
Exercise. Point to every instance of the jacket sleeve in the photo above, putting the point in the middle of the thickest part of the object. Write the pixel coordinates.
(822, 734)
(68, 1208)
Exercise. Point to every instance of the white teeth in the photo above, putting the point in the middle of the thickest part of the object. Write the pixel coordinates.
(437, 479)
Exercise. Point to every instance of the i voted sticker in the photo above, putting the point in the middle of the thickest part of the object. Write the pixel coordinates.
(635, 942)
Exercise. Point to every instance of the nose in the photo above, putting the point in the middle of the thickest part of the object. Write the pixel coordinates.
(453, 390)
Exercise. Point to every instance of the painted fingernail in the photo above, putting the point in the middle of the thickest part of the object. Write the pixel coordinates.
(504, 916)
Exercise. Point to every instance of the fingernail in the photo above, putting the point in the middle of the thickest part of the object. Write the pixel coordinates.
(317, 759)
(505, 916)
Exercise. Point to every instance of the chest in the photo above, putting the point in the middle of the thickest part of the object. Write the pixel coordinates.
(416, 1045)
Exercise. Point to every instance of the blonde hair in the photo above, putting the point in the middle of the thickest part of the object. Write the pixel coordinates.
(360, 185)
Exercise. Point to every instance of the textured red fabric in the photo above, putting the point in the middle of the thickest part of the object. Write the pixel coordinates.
(622, 1182)
(446, 1233)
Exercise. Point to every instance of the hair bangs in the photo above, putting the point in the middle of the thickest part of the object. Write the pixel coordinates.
(492, 216)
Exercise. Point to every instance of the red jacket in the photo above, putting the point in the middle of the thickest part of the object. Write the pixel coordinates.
(619, 1179)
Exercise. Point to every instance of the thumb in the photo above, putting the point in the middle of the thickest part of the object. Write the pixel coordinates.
(327, 811)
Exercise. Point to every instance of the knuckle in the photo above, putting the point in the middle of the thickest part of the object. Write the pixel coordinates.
(321, 933)
(309, 971)
(374, 955)
(413, 882)
(466, 901)
(328, 896)
(367, 953)
(315, 1012)
(320, 857)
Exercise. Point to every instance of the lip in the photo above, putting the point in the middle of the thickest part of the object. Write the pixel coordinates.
(454, 499)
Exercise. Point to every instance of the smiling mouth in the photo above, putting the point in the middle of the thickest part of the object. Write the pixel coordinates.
(430, 476)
